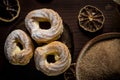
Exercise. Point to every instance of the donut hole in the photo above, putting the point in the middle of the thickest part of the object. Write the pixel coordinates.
(44, 24)
(19, 45)
(51, 58)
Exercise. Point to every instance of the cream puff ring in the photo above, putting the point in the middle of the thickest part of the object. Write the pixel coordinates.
(18, 48)
(52, 59)
(41, 35)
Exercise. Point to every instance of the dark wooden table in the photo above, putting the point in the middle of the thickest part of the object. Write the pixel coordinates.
(68, 10)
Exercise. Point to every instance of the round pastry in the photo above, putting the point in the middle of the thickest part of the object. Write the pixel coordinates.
(52, 59)
(18, 48)
(41, 35)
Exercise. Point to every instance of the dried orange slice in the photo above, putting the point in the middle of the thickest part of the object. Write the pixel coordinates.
(70, 73)
(91, 18)
(9, 10)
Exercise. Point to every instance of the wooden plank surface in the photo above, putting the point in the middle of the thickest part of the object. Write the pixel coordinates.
(68, 10)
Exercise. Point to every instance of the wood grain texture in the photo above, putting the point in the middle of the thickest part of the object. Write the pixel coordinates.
(68, 10)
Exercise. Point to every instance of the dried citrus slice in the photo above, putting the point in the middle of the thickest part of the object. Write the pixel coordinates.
(91, 18)
(70, 73)
(9, 10)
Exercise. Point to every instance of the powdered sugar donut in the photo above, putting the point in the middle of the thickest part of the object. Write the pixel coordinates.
(18, 48)
(44, 35)
(61, 54)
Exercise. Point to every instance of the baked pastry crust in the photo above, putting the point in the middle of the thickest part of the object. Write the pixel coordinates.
(13, 52)
(44, 35)
(62, 58)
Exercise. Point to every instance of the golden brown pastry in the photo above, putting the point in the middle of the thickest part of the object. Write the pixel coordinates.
(41, 35)
(18, 48)
(61, 54)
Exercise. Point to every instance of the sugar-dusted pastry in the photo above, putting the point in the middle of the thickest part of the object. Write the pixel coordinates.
(18, 48)
(55, 65)
(41, 35)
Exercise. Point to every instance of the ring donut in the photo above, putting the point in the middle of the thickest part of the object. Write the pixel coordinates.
(18, 48)
(44, 35)
(61, 55)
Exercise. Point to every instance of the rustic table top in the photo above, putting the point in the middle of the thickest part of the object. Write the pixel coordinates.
(68, 10)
